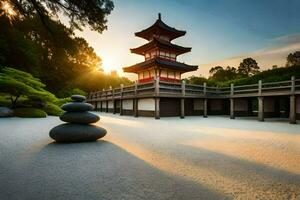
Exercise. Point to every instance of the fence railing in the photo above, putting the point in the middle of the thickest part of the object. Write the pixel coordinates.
(157, 88)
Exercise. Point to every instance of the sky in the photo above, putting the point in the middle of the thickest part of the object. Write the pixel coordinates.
(220, 32)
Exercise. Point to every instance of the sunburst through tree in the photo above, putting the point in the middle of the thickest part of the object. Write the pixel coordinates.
(8, 10)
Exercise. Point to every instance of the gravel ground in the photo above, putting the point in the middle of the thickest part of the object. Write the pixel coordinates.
(143, 158)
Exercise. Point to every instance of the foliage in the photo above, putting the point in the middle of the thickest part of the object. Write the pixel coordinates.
(270, 75)
(61, 101)
(52, 109)
(16, 83)
(224, 77)
(218, 73)
(293, 59)
(194, 80)
(4, 100)
(60, 65)
(98, 80)
(248, 67)
(68, 92)
(29, 113)
(80, 13)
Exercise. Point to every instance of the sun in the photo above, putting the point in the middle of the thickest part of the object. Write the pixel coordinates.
(7, 9)
(110, 64)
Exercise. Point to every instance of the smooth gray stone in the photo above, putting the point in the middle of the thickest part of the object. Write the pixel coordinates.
(69, 133)
(79, 117)
(6, 112)
(77, 106)
(78, 98)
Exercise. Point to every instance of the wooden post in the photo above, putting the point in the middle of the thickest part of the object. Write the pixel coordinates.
(204, 101)
(121, 99)
(231, 101)
(232, 108)
(157, 99)
(114, 101)
(293, 85)
(96, 101)
(261, 109)
(101, 106)
(292, 116)
(102, 93)
(182, 112)
(135, 101)
(205, 108)
(259, 88)
(157, 112)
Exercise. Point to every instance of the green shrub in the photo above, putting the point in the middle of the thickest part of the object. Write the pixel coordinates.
(67, 92)
(29, 113)
(4, 101)
(52, 109)
(60, 102)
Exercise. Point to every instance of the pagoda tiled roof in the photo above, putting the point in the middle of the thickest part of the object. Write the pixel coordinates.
(160, 28)
(162, 63)
(162, 44)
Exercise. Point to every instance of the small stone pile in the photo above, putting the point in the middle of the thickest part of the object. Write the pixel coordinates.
(78, 127)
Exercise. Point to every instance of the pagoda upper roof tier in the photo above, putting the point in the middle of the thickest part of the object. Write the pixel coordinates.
(160, 28)
(162, 63)
(161, 44)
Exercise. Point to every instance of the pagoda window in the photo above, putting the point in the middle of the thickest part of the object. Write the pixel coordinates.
(177, 75)
(164, 73)
(140, 75)
(146, 74)
(152, 73)
(171, 74)
(173, 56)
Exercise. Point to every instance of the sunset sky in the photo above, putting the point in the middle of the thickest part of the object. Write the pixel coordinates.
(220, 32)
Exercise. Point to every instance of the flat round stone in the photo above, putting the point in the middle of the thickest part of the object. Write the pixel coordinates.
(78, 98)
(77, 106)
(79, 117)
(70, 133)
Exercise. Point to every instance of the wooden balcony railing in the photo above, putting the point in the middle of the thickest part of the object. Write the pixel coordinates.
(159, 88)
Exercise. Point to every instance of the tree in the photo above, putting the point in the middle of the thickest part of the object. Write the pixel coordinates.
(58, 64)
(293, 59)
(80, 13)
(220, 74)
(248, 67)
(196, 80)
(215, 69)
(16, 83)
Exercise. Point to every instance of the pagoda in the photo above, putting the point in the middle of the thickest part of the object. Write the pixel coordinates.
(160, 54)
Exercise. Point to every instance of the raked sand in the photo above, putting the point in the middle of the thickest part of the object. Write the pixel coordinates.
(143, 158)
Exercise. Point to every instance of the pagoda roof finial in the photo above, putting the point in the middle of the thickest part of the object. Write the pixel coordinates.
(159, 16)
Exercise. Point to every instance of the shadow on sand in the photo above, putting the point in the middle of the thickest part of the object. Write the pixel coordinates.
(98, 170)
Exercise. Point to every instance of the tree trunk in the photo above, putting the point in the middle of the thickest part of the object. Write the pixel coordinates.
(14, 101)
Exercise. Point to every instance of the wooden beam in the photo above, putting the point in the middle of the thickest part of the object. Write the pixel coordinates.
(121, 99)
(135, 107)
(157, 108)
(261, 109)
(232, 108)
(205, 108)
(292, 117)
(182, 112)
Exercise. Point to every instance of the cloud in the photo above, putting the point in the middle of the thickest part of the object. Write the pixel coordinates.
(274, 54)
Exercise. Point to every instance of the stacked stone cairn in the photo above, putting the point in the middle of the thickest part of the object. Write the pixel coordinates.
(78, 127)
